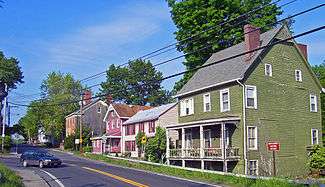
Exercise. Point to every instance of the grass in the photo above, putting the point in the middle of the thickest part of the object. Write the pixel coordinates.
(9, 178)
(194, 175)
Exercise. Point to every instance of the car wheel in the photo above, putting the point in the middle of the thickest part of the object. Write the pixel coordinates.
(25, 164)
(41, 164)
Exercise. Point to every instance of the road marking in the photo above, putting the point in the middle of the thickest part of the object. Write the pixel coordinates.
(117, 177)
(54, 178)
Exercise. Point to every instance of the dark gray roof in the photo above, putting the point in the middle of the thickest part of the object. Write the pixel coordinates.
(148, 115)
(226, 71)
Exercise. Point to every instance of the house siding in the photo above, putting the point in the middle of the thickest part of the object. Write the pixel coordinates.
(283, 112)
(94, 120)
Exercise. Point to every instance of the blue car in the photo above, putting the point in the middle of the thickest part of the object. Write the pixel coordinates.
(41, 159)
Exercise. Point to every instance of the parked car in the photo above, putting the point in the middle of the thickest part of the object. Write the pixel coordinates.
(41, 159)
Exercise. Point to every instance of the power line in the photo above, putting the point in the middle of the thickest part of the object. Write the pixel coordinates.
(197, 68)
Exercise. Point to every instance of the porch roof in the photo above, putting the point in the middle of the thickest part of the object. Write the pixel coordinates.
(205, 122)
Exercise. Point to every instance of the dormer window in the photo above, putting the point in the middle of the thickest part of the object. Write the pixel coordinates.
(298, 75)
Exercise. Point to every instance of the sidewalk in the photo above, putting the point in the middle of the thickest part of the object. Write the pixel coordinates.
(31, 179)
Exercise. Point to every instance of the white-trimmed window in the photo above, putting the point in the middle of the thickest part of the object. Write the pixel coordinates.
(206, 102)
(187, 107)
(314, 136)
(253, 167)
(251, 96)
(313, 103)
(298, 75)
(268, 70)
(207, 138)
(224, 100)
(252, 137)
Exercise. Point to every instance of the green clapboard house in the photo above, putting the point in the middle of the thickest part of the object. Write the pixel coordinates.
(230, 111)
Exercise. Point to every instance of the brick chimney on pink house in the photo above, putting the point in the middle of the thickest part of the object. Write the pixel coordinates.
(87, 97)
(252, 39)
(303, 49)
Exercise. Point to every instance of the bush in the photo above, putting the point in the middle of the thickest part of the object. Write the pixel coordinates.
(69, 142)
(317, 158)
(7, 142)
(9, 178)
(156, 147)
(88, 149)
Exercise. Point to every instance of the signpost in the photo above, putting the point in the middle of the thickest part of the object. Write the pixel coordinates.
(273, 146)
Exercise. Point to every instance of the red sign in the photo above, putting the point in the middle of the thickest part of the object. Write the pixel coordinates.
(273, 146)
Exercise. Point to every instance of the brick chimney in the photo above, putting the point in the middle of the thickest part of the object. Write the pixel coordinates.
(109, 99)
(303, 49)
(252, 39)
(87, 97)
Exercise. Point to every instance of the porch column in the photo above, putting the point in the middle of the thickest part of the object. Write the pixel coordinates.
(223, 147)
(201, 142)
(202, 164)
(167, 144)
(183, 142)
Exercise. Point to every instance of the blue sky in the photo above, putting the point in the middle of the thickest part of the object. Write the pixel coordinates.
(85, 37)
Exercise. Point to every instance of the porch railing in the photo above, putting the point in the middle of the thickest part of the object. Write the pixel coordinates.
(212, 152)
(192, 153)
(175, 153)
(232, 152)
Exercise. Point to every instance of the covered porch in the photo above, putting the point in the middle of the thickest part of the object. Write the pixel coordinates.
(204, 143)
(112, 144)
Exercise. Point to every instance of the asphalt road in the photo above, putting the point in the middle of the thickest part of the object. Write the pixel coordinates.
(77, 171)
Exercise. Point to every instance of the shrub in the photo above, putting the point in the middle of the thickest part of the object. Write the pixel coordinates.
(88, 149)
(156, 147)
(9, 178)
(140, 144)
(7, 143)
(317, 158)
(69, 142)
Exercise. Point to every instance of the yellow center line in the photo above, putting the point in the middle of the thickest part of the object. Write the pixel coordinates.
(117, 177)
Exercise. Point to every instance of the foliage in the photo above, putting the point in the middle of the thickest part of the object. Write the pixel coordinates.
(9, 177)
(317, 158)
(86, 135)
(10, 72)
(156, 146)
(7, 142)
(138, 141)
(319, 70)
(211, 178)
(139, 83)
(194, 16)
(88, 149)
(69, 142)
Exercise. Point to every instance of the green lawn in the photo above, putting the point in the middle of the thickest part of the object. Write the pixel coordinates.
(194, 175)
(9, 178)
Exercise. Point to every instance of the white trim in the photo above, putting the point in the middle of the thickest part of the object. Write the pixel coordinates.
(205, 122)
(311, 133)
(310, 108)
(254, 94)
(270, 68)
(221, 100)
(256, 165)
(300, 75)
(256, 138)
(206, 87)
(204, 102)
(186, 103)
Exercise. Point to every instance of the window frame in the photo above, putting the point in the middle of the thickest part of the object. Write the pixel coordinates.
(256, 138)
(270, 69)
(300, 75)
(312, 138)
(187, 103)
(205, 102)
(141, 127)
(221, 100)
(254, 94)
(249, 166)
(152, 126)
(310, 102)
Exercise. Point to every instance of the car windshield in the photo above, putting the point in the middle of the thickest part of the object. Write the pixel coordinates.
(42, 154)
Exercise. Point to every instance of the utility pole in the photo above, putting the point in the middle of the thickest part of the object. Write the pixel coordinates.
(81, 114)
(4, 119)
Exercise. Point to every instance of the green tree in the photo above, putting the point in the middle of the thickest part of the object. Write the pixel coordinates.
(194, 16)
(138, 83)
(319, 70)
(140, 144)
(156, 147)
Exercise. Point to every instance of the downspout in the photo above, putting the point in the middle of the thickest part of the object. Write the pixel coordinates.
(244, 125)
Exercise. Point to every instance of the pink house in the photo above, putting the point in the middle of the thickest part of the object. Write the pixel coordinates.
(115, 116)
